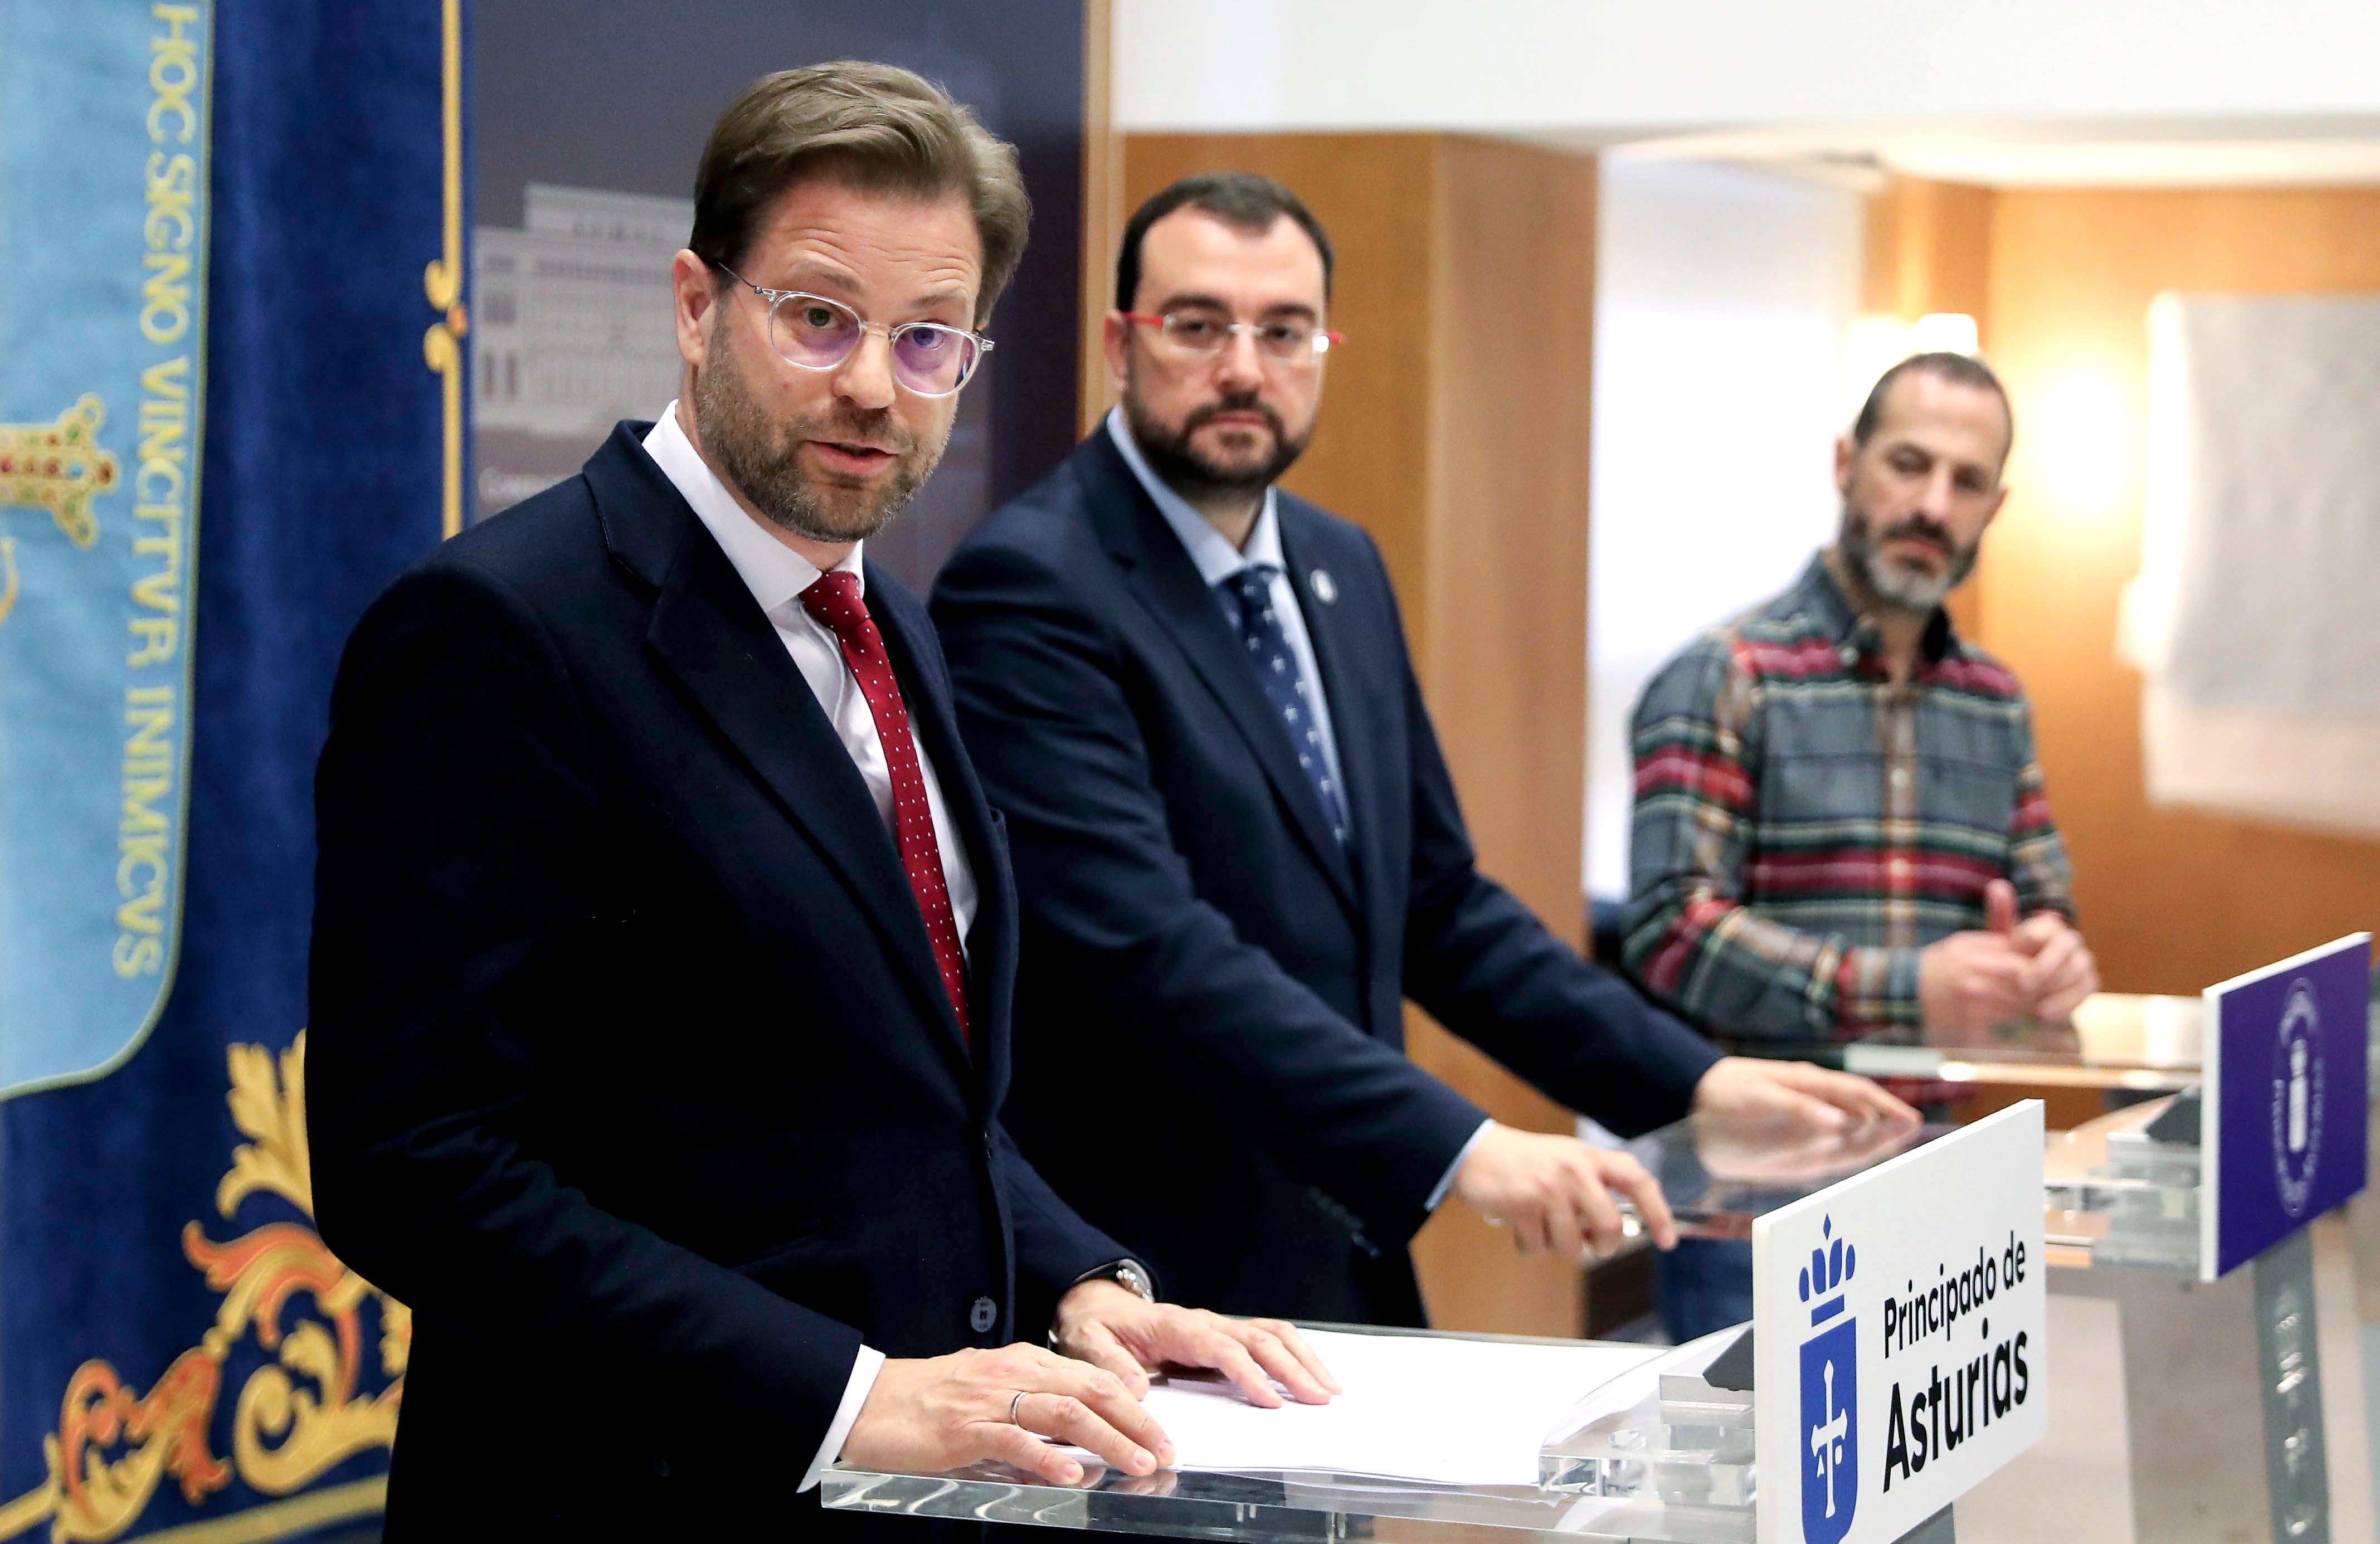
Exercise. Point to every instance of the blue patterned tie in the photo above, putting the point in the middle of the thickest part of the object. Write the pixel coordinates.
(1284, 685)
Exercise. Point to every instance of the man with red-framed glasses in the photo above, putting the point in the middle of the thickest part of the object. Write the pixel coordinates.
(1238, 850)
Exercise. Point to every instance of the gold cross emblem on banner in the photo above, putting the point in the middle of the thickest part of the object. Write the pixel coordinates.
(58, 466)
(54, 466)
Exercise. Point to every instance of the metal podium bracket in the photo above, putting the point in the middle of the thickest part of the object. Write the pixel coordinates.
(2295, 1467)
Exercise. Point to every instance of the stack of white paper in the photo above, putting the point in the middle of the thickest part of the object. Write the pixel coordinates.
(1452, 1412)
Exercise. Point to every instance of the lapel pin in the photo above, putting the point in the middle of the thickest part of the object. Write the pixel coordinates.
(1325, 587)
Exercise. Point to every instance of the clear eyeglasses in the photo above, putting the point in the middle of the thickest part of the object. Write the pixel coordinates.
(1288, 340)
(810, 331)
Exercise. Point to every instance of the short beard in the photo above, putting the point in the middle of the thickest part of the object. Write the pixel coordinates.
(1192, 475)
(1891, 584)
(760, 457)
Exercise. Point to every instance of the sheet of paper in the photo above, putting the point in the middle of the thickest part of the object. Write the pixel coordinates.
(1452, 1412)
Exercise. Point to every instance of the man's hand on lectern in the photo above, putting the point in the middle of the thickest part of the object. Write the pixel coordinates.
(928, 1415)
(1102, 1323)
(1555, 1192)
(2060, 973)
(1748, 1088)
(1972, 982)
(1018, 1403)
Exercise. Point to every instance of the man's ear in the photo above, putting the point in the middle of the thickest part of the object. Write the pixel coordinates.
(693, 291)
(1116, 335)
(1845, 454)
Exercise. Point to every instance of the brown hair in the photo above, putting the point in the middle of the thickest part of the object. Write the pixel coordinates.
(869, 126)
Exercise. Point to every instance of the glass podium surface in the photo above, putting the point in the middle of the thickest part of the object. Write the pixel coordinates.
(2116, 1040)
(1277, 1506)
(1717, 1176)
(1656, 1453)
(2222, 1397)
(2220, 1392)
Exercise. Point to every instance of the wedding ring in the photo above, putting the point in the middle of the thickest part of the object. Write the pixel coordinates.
(1012, 1408)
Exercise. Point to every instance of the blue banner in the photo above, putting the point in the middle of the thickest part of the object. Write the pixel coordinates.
(2284, 1130)
(102, 321)
(234, 240)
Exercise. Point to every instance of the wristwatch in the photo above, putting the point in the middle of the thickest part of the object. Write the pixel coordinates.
(1129, 1274)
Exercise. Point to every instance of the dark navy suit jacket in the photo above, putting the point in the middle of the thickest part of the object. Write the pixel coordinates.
(631, 1069)
(1209, 1009)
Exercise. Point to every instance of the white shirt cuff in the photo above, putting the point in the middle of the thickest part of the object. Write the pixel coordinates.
(1446, 1181)
(864, 1369)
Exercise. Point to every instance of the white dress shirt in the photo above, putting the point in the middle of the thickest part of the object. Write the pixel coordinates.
(1218, 560)
(776, 574)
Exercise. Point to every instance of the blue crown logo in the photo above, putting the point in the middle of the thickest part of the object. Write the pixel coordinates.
(1830, 1392)
(1832, 1264)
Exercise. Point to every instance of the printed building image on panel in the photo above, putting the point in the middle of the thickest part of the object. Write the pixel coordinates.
(571, 331)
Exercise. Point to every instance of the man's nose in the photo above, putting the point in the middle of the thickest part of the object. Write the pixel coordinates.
(865, 380)
(1240, 365)
(1936, 496)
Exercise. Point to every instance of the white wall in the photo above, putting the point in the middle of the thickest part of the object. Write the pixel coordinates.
(1637, 66)
(1723, 299)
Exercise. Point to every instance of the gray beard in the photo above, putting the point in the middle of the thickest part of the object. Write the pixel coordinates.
(1895, 585)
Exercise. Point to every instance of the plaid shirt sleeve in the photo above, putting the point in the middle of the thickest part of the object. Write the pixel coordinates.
(1689, 939)
(2037, 865)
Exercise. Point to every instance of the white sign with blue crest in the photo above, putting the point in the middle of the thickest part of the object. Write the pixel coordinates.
(1897, 1349)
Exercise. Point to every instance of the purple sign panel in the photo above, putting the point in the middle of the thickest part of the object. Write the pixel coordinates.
(2284, 1132)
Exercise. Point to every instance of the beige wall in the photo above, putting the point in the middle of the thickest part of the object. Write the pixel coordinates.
(2172, 901)
(1453, 429)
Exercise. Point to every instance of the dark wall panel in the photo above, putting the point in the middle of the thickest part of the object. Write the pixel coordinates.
(616, 97)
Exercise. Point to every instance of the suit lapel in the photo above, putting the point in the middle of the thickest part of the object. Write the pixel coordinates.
(709, 632)
(1168, 583)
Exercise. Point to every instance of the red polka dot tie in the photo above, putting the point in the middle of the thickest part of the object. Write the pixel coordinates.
(835, 600)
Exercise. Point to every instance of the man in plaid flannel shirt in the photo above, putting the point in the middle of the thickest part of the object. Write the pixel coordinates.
(1840, 826)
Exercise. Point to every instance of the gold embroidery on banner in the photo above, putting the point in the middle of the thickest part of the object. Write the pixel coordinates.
(57, 467)
(275, 1158)
(442, 281)
(295, 1416)
(283, 1519)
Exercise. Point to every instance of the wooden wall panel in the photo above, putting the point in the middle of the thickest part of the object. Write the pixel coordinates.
(1929, 249)
(1453, 429)
(2171, 900)
(1500, 629)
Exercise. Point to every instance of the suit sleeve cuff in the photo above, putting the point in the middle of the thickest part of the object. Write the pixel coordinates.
(1446, 1181)
(864, 1369)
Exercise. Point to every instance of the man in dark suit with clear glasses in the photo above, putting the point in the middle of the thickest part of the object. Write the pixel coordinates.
(664, 939)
